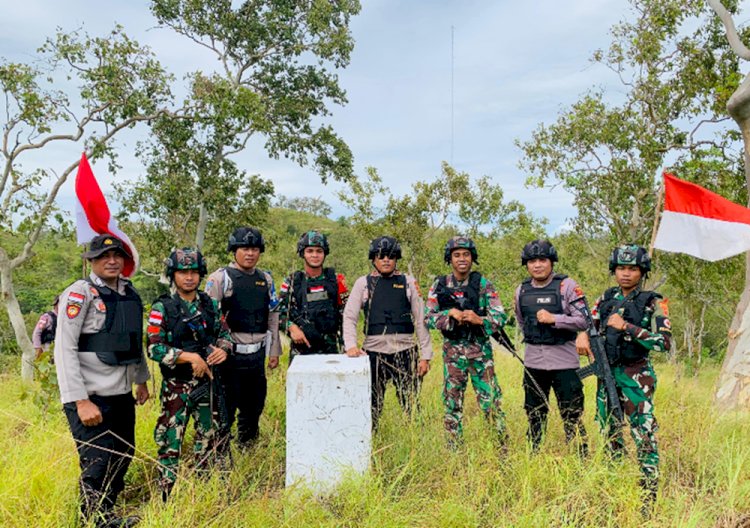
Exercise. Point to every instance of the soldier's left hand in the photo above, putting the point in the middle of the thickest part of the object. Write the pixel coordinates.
(544, 317)
(273, 362)
(216, 356)
(616, 321)
(141, 393)
(469, 316)
(423, 367)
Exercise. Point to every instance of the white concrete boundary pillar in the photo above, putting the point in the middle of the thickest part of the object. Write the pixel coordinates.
(328, 420)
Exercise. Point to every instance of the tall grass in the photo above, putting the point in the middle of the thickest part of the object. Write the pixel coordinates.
(415, 480)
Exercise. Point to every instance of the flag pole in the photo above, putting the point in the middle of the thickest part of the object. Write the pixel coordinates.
(657, 215)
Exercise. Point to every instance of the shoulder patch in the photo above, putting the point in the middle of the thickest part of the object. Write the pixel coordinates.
(75, 298)
(94, 291)
(73, 310)
(155, 317)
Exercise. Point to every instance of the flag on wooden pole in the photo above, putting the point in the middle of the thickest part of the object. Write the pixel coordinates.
(701, 223)
(93, 216)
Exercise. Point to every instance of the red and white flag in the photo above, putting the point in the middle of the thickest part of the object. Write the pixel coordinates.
(93, 216)
(701, 223)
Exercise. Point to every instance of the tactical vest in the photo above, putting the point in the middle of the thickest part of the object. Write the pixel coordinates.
(120, 341)
(388, 309)
(622, 349)
(315, 308)
(246, 310)
(191, 333)
(48, 334)
(464, 298)
(549, 297)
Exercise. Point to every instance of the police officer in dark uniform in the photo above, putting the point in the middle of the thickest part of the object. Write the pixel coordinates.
(98, 357)
(247, 299)
(545, 310)
(313, 299)
(394, 313)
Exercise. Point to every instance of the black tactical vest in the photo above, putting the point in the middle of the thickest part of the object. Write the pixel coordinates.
(315, 307)
(622, 349)
(192, 333)
(464, 298)
(246, 310)
(120, 341)
(387, 309)
(530, 301)
(48, 334)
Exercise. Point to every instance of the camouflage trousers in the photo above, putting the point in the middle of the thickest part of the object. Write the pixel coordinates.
(177, 408)
(636, 384)
(457, 370)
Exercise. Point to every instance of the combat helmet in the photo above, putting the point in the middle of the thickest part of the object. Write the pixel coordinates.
(312, 238)
(384, 246)
(185, 259)
(246, 237)
(538, 249)
(630, 255)
(460, 242)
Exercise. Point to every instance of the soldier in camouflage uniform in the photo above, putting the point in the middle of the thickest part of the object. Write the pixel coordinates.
(465, 307)
(629, 315)
(312, 300)
(186, 336)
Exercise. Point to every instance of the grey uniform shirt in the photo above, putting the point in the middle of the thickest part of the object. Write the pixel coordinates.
(44, 323)
(386, 343)
(219, 285)
(556, 357)
(81, 373)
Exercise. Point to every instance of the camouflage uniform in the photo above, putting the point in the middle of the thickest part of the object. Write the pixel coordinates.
(636, 383)
(177, 407)
(469, 358)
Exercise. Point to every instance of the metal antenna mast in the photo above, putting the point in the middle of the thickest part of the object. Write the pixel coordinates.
(452, 98)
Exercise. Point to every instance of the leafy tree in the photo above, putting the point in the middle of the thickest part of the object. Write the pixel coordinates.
(111, 84)
(608, 151)
(274, 81)
(315, 206)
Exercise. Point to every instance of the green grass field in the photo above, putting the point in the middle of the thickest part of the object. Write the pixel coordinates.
(415, 481)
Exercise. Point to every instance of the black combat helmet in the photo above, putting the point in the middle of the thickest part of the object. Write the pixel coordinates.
(384, 246)
(460, 242)
(538, 249)
(630, 255)
(246, 237)
(185, 259)
(312, 239)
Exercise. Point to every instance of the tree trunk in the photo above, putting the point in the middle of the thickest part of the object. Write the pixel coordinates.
(16, 317)
(733, 389)
(200, 231)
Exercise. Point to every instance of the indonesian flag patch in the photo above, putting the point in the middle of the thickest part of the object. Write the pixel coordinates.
(317, 289)
(75, 298)
(155, 317)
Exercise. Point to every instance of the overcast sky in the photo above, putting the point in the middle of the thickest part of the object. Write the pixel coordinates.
(515, 66)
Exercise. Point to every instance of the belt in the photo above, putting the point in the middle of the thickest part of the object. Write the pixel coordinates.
(248, 349)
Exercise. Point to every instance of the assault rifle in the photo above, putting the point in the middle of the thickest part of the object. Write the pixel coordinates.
(503, 339)
(600, 367)
(213, 388)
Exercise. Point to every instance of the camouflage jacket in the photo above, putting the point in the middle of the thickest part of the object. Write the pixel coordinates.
(495, 316)
(159, 348)
(656, 311)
